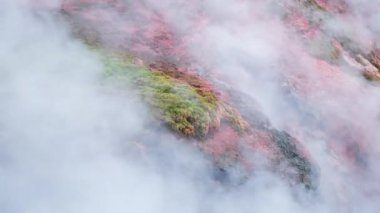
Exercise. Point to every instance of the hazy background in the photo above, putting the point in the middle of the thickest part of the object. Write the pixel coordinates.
(67, 139)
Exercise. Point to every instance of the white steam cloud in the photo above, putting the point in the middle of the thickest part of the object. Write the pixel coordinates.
(67, 138)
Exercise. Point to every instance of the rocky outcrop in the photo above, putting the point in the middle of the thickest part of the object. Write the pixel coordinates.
(142, 49)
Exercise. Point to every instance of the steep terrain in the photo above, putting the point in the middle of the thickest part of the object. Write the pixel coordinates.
(287, 87)
(150, 55)
(141, 46)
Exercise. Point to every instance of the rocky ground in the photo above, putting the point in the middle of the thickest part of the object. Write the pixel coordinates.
(144, 48)
(141, 47)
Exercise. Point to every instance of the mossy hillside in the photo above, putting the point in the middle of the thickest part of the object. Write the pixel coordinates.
(180, 105)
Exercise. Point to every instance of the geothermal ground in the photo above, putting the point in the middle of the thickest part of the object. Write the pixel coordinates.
(217, 106)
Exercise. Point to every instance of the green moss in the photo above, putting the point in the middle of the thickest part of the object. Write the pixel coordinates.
(187, 110)
(234, 117)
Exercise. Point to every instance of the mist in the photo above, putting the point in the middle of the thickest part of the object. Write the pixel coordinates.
(72, 142)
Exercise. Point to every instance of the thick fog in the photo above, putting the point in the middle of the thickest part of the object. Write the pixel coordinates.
(67, 137)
